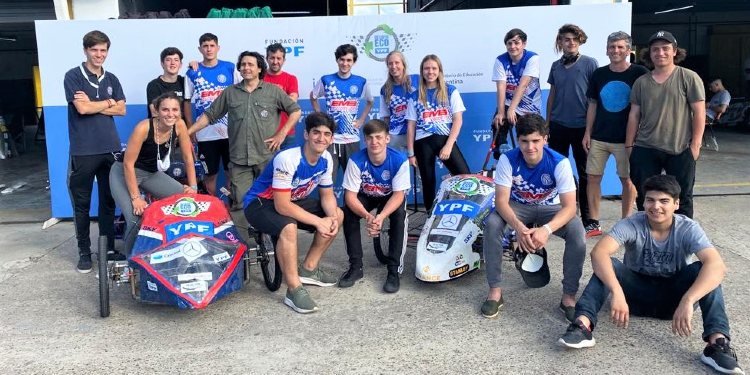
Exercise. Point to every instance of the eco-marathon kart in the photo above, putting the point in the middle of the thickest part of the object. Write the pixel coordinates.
(188, 254)
(445, 247)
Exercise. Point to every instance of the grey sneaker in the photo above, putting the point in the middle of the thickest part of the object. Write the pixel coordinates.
(299, 300)
(577, 336)
(316, 277)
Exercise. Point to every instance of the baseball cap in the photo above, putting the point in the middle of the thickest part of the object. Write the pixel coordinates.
(533, 267)
(662, 35)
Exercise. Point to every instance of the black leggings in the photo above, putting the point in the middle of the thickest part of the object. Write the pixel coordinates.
(426, 150)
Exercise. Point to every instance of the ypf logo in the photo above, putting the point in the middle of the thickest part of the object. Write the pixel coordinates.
(381, 41)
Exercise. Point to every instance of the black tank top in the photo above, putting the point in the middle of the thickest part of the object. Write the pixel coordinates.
(147, 156)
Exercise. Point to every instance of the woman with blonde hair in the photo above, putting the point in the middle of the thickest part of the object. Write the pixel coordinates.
(434, 120)
(394, 96)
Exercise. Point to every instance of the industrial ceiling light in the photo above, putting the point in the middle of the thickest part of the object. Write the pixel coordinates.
(674, 9)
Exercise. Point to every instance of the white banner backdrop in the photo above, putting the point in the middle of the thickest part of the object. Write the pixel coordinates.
(466, 41)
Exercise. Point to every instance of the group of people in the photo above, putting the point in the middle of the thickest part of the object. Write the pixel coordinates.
(243, 116)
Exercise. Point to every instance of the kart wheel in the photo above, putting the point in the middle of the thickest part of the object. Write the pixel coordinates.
(382, 241)
(103, 278)
(269, 267)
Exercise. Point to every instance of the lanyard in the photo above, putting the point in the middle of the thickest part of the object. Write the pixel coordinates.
(94, 85)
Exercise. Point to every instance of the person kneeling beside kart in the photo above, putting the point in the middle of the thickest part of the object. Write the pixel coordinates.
(534, 185)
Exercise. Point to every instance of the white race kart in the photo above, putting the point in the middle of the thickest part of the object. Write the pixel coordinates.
(445, 250)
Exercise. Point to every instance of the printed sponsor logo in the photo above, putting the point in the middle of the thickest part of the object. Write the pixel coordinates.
(210, 94)
(193, 249)
(468, 209)
(458, 271)
(444, 232)
(449, 221)
(178, 230)
(194, 286)
(546, 179)
(342, 103)
(294, 47)
(459, 260)
(152, 286)
(380, 41)
(386, 175)
(426, 277)
(221, 257)
(188, 207)
(221, 78)
(467, 186)
(437, 246)
(165, 256)
(109, 90)
(482, 135)
(205, 276)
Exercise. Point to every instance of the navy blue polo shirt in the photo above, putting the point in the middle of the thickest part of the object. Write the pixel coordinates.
(92, 134)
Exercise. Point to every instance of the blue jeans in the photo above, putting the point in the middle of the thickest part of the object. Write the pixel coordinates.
(656, 297)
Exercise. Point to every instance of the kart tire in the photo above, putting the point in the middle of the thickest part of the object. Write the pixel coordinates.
(103, 277)
(380, 241)
(270, 268)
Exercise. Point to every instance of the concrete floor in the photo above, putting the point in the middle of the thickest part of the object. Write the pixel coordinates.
(50, 321)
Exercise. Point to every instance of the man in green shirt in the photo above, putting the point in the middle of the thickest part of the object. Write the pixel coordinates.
(668, 113)
(254, 107)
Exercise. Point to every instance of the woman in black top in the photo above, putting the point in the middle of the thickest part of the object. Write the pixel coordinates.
(147, 156)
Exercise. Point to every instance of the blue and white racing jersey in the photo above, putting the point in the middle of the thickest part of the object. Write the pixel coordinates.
(434, 117)
(505, 70)
(377, 180)
(343, 96)
(290, 171)
(395, 107)
(538, 185)
(202, 87)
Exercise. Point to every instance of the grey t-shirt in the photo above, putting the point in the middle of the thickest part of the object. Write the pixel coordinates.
(570, 103)
(645, 255)
(666, 116)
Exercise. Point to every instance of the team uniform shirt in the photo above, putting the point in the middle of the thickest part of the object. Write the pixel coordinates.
(287, 83)
(377, 180)
(395, 107)
(433, 117)
(539, 185)
(506, 71)
(290, 171)
(202, 87)
(342, 100)
(646, 255)
(96, 133)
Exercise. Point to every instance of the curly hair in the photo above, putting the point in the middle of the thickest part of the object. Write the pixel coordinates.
(569, 28)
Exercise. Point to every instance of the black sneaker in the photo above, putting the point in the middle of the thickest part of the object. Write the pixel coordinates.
(84, 263)
(577, 336)
(350, 277)
(391, 283)
(115, 255)
(721, 357)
